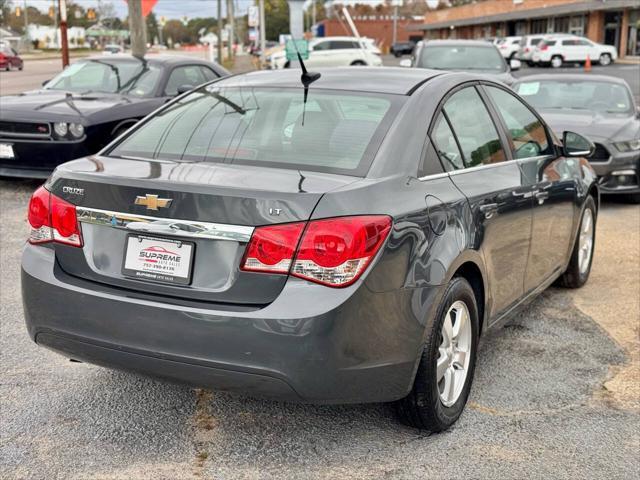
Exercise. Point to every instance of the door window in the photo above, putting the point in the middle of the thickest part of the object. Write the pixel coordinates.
(343, 44)
(186, 75)
(527, 131)
(446, 145)
(474, 129)
(318, 47)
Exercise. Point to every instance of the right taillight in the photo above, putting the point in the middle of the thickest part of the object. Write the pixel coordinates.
(333, 251)
(543, 47)
(53, 219)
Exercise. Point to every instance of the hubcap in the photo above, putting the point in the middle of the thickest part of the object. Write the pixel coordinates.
(556, 62)
(604, 60)
(586, 241)
(454, 353)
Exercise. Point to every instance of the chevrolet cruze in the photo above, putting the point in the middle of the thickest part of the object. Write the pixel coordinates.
(345, 237)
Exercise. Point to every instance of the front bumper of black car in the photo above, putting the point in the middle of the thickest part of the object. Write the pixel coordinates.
(620, 173)
(37, 158)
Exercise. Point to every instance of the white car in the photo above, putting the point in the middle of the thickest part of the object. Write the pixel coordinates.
(333, 52)
(509, 46)
(556, 50)
(527, 46)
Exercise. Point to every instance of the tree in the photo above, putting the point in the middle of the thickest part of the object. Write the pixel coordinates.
(276, 13)
(152, 28)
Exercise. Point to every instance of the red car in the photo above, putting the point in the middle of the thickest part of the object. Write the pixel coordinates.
(9, 59)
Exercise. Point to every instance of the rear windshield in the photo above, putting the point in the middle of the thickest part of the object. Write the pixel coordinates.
(337, 132)
(461, 57)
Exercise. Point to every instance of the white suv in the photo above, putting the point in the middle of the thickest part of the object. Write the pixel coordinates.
(509, 46)
(334, 52)
(556, 50)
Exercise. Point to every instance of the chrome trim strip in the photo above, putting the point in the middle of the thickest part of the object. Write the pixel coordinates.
(164, 226)
(462, 171)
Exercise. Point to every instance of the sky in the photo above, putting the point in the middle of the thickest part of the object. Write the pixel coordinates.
(168, 8)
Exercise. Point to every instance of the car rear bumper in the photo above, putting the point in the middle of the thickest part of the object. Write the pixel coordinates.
(312, 344)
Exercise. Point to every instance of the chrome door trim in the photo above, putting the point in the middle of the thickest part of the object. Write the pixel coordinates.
(164, 226)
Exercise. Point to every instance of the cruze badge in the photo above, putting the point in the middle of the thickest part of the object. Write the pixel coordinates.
(152, 202)
(73, 190)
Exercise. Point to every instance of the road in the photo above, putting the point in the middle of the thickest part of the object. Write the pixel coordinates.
(556, 395)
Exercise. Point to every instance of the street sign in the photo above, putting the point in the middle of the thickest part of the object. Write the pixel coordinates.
(303, 48)
(254, 16)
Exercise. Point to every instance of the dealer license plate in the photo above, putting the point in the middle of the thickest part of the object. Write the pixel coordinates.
(158, 259)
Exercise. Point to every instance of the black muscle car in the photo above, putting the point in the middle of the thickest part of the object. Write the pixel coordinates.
(87, 105)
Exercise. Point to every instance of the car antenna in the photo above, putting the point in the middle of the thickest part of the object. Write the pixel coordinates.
(307, 78)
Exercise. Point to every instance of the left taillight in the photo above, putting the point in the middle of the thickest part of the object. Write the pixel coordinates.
(334, 251)
(53, 220)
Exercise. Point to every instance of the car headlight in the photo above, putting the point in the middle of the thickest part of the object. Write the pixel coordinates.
(76, 129)
(61, 129)
(630, 146)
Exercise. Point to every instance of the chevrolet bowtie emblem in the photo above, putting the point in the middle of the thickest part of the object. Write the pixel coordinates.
(152, 202)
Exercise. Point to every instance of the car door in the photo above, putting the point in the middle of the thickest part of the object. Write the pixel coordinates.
(320, 55)
(499, 197)
(553, 186)
(570, 50)
(587, 49)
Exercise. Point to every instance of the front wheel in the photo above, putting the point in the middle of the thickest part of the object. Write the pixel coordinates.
(605, 59)
(579, 268)
(445, 373)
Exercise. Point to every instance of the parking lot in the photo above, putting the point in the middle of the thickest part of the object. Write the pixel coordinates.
(556, 392)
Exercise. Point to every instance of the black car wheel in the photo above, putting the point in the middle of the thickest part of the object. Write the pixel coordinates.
(579, 268)
(445, 373)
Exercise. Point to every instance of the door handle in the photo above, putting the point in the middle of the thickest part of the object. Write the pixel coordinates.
(541, 196)
(489, 209)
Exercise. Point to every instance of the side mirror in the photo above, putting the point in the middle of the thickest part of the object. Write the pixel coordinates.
(405, 63)
(575, 145)
(185, 88)
(515, 64)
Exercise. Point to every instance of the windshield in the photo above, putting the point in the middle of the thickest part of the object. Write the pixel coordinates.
(337, 132)
(110, 76)
(603, 97)
(461, 57)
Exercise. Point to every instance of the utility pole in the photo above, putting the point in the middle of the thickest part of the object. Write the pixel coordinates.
(395, 22)
(230, 21)
(26, 17)
(313, 13)
(220, 32)
(62, 7)
(136, 26)
(263, 32)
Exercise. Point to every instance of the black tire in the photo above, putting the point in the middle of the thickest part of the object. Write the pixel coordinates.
(633, 198)
(397, 54)
(573, 277)
(605, 59)
(423, 408)
(530, 64)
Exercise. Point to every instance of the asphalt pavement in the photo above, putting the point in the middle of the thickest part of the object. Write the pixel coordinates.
(555, 396)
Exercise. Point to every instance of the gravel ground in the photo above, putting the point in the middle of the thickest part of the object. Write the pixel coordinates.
(536, 408)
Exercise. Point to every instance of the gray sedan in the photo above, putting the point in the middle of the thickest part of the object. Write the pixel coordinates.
(601, 108)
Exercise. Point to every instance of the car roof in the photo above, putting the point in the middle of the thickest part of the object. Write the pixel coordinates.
(390, 80)
(572, 77)
(155, 58)
(479, 43)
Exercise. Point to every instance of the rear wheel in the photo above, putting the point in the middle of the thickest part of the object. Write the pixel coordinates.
(579, 268)
(556, 61)
(8, 67)
(443, 380)
(605, 59)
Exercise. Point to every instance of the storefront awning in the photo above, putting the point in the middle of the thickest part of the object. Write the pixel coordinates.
(521, 14)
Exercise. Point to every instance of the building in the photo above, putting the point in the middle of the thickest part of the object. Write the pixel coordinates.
(377, 27)
(11, 38)
(45, 36)
(613, 22)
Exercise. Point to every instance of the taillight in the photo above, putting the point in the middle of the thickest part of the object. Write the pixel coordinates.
(53, 219)
(526, 50)
(272, 248)
(333, 251)
(543, 47)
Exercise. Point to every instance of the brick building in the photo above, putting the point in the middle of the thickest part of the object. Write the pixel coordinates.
(379, 28)
(613, 22)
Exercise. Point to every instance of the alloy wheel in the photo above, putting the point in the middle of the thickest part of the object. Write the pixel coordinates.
(586, 241)
(556, 62)
(452, 364)
(605, 59)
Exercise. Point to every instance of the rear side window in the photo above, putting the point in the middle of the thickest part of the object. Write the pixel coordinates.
(474, 128)
(187, 75)
(445, 144)
(527, 132)
(337, 132)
